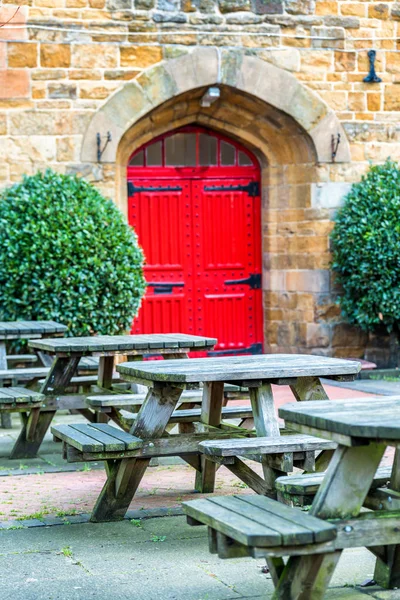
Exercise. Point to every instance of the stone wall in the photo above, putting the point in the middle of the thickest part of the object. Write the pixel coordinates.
(61, 60)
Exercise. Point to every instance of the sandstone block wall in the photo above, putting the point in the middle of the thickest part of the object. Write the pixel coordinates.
(60, 60)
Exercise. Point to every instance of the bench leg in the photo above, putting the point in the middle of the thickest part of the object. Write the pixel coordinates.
(5, 418)
(124, 476)
(387, 571)
(307, 577)
(29, 441)
(211, 414)
(59, 376)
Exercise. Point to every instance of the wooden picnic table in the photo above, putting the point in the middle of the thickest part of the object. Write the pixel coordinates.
(166, 381)
(23, 330)
(67, 353)
(362, 429)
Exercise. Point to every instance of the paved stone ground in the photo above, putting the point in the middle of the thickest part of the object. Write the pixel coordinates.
(147, 559)
(152, 559)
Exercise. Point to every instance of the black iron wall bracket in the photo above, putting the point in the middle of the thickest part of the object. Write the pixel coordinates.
(372, 77)
(335, 141)
(101, 151)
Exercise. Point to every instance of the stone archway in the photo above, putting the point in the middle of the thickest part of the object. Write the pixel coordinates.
(289, 129)
(207, 67)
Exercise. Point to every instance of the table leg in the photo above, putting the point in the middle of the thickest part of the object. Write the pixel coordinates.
(28, 442)
(211, 414)
(307, 577)
(311, 388)
(5, 418)
(124, 475)
(267, 425)
(105, 373)
(387, 572)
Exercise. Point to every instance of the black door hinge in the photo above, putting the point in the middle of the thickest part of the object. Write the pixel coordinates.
(132, 189)
(252, 188)
(253, 280)
(253, 349)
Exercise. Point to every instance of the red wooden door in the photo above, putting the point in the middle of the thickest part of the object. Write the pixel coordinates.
(227, 269)
(200, 229)
(160, 214)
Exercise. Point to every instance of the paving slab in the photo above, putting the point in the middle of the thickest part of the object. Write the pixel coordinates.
(157, 559)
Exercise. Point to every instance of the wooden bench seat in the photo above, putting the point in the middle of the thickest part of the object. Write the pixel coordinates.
(265, 445)
(193, 415)
(301, 489)
(105, 402)
(96, 441)
(12, 376)
(96, 438)
(239, 524)
(283, 453)
(17, 359)
(14, 399)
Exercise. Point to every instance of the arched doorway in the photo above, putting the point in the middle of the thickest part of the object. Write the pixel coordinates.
(194, 201)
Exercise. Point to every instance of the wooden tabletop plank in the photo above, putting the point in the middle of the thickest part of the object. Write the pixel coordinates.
(373, 418)
(23, 329)
(263, 367)
(107, 343)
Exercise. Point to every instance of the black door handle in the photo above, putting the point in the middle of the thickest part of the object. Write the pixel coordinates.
(162, 287)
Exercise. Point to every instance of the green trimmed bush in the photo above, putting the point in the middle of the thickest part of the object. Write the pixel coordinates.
(67, 254)
(366, 250)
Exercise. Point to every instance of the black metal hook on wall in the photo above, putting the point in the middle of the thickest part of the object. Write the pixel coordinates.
(335, 141)
(372, 77)
(100, 151)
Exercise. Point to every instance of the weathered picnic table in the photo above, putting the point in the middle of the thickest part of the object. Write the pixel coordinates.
(166, 381)
(23, 330)
(69, 351)
(260, 527)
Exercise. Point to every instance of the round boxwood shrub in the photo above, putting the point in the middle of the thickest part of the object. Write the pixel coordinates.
(366, 250)
(67, 254)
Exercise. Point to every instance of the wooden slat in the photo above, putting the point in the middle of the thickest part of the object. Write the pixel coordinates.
(126, 343)
(24, 329)
(17, 395)
(307, 485)
(250, 518)
(372, 418)
(130, 441)
(265, 445)
(231, 524)
(322, 531)
(76, 439)
(238, 368)
(122, 400)
(110, 443)
(193, 415)
(23, 374)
